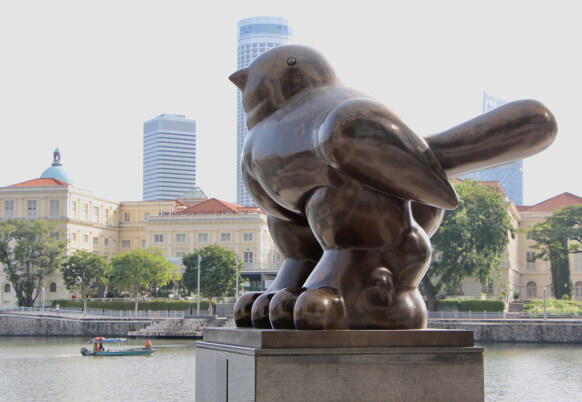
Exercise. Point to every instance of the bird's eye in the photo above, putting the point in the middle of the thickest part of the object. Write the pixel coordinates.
(291, 61)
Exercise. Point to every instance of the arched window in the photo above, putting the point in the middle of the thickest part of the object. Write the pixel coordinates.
(532, 290)
(578, 289)
(7, 288)
(53, 287)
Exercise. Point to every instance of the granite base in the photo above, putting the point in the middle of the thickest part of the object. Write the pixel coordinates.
(235, 364)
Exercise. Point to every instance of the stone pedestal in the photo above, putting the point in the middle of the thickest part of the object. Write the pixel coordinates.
(237, 364)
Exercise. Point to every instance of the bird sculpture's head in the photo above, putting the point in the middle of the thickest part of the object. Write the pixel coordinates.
(276, 76)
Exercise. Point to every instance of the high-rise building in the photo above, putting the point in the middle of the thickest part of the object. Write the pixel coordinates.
(169, 157)
(255, 35)
(511, 175)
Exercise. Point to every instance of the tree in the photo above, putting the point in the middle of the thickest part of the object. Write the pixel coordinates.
(471, 240)
(218, 273)
(556, 237)
(84, 272)
(140, 271)
(30, 251)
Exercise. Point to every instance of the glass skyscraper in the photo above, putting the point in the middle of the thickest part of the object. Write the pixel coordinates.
(169, 157)
(255, 35)
(511, 175)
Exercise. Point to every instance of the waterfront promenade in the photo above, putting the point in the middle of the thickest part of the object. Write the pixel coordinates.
(47, 322)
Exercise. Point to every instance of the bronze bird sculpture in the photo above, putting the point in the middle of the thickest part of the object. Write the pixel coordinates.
(352, 194)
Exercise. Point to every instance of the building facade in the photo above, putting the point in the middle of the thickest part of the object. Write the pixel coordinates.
(255, 36)
(177, 227)
(169, 157)
(511, 175)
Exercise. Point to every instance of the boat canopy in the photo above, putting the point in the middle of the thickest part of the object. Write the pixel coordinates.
(107, 340)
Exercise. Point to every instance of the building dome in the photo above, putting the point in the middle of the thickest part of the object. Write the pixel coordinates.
(56, 170)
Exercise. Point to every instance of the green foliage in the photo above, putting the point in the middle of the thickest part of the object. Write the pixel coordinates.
(470, 305)
(471, 240)
(218, 273)
(84, 272)
(155, 305)
(516, 295)
(553, 306)
(556, 237)
(29, 251)
(140, 271)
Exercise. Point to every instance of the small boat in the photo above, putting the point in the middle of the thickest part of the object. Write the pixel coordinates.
(99, 341)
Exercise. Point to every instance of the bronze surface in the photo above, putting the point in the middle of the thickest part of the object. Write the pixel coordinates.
(353, 194)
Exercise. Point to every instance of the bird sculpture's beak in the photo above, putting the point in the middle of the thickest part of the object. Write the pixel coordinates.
(239, 78)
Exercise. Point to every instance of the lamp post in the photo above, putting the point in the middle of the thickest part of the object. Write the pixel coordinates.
(43, 298)
(236, 293)
(545, 311)
(198, 288)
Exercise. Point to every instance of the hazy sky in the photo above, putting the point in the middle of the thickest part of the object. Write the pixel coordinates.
(84, 76)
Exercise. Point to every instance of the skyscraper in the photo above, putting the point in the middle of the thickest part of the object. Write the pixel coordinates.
(511, 175)
(255, 35)
(169, 157)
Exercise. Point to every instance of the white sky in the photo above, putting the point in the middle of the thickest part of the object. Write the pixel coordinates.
(84, 76)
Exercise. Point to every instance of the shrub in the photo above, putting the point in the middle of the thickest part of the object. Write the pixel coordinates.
(482, 305)
(156, 305)
(447, 305)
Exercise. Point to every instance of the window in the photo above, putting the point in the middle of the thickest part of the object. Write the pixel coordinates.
(180, 253)
(56, 235)
(530, 260)
(146, 215)
(95, 214)
(202, 237)
(74, 209)
(7, 288)
(247, 237)
(143, 244)
(577, 261)
(53, 287)
(488, 288)
(248, 256)
(528, 235)
(31, 209)
(54, 208)
(9, 209)
(126, 217)
(578, 289)
(158, 238)
(85, 212)
(126, 244)
(95, 241)
(225, 237)
(73, 236)
(85, 239)
(106, 216)
(181, 238)
(532, 291)
(105, 242)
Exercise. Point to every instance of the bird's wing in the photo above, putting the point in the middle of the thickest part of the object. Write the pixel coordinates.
(364, 140)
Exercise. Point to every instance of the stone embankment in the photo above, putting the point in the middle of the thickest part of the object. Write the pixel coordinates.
(187, 327)
(18, 324)
(517, 331)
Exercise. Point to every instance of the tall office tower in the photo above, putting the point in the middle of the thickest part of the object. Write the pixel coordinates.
(255, 35)
(511, 175)
(169, 157)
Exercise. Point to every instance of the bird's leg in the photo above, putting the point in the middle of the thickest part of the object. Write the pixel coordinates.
(301, 251)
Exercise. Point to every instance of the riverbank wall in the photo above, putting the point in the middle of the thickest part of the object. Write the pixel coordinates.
(517, 331)
(34, 325)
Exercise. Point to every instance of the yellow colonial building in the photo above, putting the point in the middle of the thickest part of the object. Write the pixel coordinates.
(105, 227)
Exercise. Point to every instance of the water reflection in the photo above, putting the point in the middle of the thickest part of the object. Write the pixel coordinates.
(53, 369)
(531, 372)
(42, 369)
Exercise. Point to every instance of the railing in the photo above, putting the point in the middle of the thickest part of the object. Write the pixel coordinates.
(93, 312)
(258, 266)
(497, 315)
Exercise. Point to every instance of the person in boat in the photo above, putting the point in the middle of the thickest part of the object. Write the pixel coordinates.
(148, 344)
(95, 347)
(101, 348)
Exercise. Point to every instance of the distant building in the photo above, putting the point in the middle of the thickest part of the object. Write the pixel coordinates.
(511, 175)
(255, 36)
(90, 223)
(169, 157)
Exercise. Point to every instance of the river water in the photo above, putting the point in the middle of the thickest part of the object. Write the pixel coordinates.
(52, 369)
